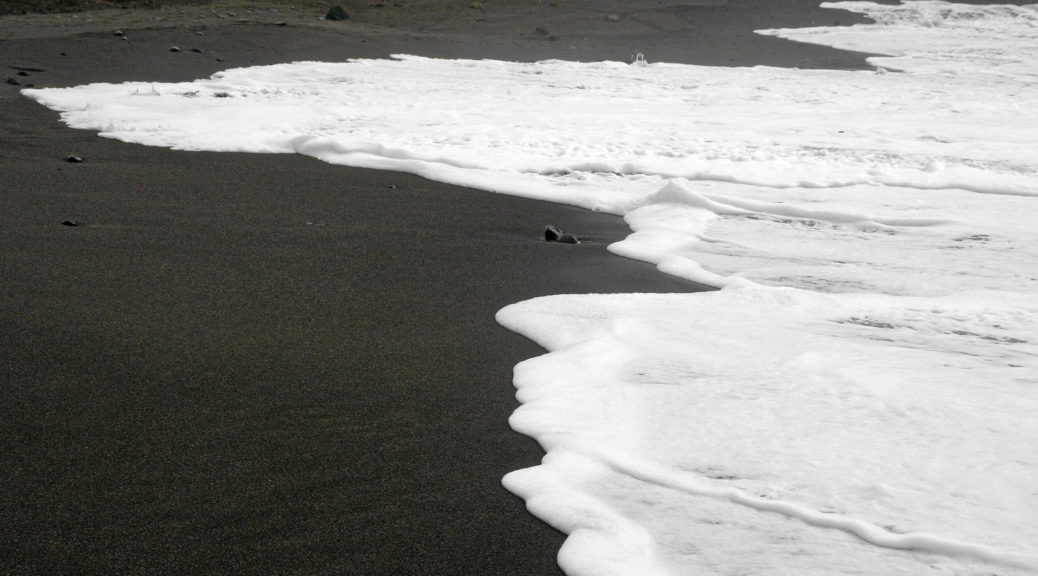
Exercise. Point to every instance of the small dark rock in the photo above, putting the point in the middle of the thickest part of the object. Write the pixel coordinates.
(119, 33)
(553, 234)
(73, 159)
(282, 23)
(545, 34)
(174, 49)
(196, 50)
(13, 82)
(23, 73)
(336, 13)
(69, 222)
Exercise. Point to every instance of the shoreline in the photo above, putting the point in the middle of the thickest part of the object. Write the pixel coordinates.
(705, 32)
(245, 363)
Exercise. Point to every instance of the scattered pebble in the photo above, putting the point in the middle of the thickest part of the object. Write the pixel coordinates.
(174, 49)
(477, 5)
(553, 234)
(336, 13)
(69, 222)
(545, 34)
(119, 33)
(13, 82)
(73, 159)
(613, 17)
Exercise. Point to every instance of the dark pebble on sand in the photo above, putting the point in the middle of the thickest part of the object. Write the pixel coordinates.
(13, 82)
(545, 33)
(73, 159)
(553, 234)
(174, 49)
(336, 13)
(69, 222)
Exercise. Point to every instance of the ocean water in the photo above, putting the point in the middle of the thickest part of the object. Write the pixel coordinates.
(859, 397)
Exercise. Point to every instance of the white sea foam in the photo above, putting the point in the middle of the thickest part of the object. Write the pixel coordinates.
(859, 397)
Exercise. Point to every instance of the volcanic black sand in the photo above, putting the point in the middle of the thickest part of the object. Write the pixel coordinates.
(253, 364)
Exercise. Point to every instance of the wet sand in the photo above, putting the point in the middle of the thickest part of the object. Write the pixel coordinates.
(256, 364)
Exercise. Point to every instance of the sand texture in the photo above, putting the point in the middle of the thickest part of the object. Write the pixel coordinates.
(248, 364)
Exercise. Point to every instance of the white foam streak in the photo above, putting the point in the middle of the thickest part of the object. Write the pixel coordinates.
(809, 406)
(859, 397)
(661, 120)
(929, 36)
(650, 473)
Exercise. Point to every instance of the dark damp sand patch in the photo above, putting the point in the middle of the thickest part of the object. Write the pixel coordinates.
(268, 365)
(703, 32)
(265, 364)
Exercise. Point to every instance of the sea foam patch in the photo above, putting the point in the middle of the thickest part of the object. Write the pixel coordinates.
(859, 397)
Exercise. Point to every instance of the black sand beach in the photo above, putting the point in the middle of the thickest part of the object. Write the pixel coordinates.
(251, 364)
